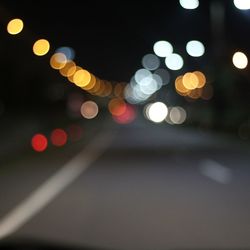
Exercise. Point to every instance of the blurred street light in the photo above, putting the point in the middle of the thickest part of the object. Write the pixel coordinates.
(163, 48)
(242, 4)
(195, 48)
(189, 4)
(15, 26)
(240, 60)
(41, 47)
(174, 61)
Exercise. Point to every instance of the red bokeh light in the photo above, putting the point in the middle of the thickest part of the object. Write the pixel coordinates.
(58, 137)
(127, 116)
(39, 142)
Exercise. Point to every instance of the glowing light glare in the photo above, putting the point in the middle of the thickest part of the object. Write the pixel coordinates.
(68, 69)
(118, 90)
(158, 80)
(108, 89)
(163, 48)
(39, 142)
(195, 48)
(195, 93)
(180, 88)
(67, 51)
(157, 112)
(240, 60)
(242, 4)
(82, 78)
(89, 110)
(127, 116)
(58, 137)
(167, 119)
(138, 95)
(174, 62)
(101, 87)
(91, 83)
(41, 47)
(177, 115)
(190, 81)
(129, 94)
(201, 77)
(146, 109)
(141, 74)
(58, 61)
(148, 86)
(116, 106)
(189, 4)
(71, 76)
(15, 26)
(96, 87)
(150, 62)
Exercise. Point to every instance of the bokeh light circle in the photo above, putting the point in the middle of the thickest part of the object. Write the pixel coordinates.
(39, 142)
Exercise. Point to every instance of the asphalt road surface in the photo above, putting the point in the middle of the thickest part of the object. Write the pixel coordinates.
(140, 186)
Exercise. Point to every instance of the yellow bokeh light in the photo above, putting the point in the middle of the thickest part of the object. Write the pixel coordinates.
(118, 90)
(96, 87)
(91, 83)
(195, 93)
(41, 47)
(101, 89)
(15, 26)
(71, 77)
(68, 69)
(108, 89)
(180, 88)
(201, 78)
(190, 81)
(58, 61)
(81, 78)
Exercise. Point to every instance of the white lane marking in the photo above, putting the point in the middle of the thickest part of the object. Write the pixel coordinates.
(53, 186)
(216, 171)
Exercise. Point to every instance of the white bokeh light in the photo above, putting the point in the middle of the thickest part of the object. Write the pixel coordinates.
(174, 62)
(146, 109)
(140, 74)
(177, 115)
(189, 4)
(148, 86)
(158, 80)
(240, 60)
(163, 48)
(242, 4)
(150, 62)
(157, 112)
(89, 109)
(195, 48)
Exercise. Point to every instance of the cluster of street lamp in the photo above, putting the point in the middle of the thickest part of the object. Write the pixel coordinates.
(62, 60)
(239, 59)
(146, 81)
